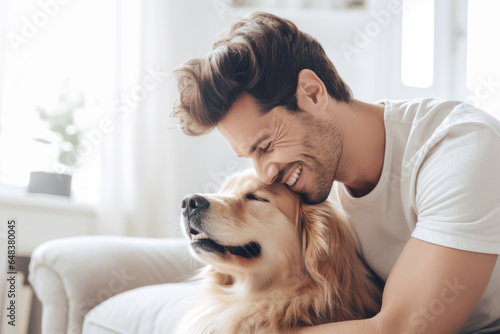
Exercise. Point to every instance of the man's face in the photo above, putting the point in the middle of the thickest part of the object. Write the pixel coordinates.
(293, 148)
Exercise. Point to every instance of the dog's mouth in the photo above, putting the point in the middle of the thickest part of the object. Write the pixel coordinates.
(201, 241)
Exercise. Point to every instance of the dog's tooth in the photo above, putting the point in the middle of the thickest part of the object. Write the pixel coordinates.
(198, 236)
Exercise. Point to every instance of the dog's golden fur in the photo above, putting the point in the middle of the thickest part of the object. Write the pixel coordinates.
(307, 272)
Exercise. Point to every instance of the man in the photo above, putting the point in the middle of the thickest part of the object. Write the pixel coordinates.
(419, 180)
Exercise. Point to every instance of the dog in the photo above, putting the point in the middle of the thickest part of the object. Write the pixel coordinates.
(274, 263)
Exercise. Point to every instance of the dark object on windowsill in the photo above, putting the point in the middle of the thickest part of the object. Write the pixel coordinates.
(50, 183)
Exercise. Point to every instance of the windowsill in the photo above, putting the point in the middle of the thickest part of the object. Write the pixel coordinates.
(41, 217)
(14, 196)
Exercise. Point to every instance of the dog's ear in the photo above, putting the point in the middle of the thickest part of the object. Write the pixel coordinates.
(332, 262)
(327, 242)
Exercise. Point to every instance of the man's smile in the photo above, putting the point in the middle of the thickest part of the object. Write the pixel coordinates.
(294, 176)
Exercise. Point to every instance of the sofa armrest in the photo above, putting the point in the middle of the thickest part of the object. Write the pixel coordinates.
(71, 276)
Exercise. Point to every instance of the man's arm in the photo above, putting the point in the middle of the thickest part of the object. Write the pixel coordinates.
(431, 289)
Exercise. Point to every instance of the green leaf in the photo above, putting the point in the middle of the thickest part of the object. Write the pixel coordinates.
(43, 141)
(69, 159)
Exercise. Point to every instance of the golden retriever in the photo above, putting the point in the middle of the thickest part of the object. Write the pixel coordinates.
(274, 263)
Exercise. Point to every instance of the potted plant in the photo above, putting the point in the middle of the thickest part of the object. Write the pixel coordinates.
(67, 137)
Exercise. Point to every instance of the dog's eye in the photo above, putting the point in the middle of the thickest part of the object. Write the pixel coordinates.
(250, 196)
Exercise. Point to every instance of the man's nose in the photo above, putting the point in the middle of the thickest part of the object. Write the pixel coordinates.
(193, 203)
(267, 173)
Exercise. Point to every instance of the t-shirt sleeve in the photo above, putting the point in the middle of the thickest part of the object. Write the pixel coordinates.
(458, 191)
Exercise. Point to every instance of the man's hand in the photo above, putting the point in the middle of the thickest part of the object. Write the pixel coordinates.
(431, 289)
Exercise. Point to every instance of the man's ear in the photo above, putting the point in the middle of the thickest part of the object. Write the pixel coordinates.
(311, 91)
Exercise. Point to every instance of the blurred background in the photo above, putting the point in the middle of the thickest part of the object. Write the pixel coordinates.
(86, 90)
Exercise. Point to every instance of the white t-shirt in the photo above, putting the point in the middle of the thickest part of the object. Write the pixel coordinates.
(440, 183)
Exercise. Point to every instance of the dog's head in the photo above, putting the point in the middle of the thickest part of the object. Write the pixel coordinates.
(246, 229)
(264, 235)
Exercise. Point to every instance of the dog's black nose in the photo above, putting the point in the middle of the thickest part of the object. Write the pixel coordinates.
(193, 203)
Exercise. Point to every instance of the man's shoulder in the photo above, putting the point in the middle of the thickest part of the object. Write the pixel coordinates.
(422, 119)
(435, 110)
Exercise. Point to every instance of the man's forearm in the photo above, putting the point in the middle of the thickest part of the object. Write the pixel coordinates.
(368, 326)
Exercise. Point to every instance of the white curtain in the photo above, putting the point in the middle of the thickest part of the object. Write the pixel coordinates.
(148, 166)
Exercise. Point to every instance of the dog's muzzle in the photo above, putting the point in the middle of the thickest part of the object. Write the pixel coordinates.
(193, 207)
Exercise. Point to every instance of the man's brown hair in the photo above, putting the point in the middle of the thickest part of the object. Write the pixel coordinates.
(262, 55)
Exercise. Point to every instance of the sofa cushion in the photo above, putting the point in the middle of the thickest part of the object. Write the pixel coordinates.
(151, 309)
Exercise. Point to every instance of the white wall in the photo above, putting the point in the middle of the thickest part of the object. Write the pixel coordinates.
(197, 164)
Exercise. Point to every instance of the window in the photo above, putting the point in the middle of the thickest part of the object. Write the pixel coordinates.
(483, 55)
(417, 62)
(55, 49)
(456, 59)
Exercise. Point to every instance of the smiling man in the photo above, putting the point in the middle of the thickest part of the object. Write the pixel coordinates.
(419, 179)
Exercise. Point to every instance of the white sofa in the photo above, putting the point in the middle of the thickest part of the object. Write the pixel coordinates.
(99, 284)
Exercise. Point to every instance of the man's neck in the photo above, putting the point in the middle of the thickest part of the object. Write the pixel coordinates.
(364, 147)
